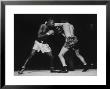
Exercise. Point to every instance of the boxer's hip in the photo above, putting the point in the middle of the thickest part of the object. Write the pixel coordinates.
(40, 46)
(70, 42)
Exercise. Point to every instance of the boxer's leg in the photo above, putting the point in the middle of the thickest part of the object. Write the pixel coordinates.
(82, 60)
(52, 69)
(80, 57)
(24, 66)
(61, 56)
(51, 59)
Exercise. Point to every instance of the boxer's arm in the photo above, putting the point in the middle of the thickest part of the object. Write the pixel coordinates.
(41, 31)
(59, 24)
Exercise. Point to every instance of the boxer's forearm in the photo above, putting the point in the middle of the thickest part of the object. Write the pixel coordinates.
(59, 24)
(42, 35)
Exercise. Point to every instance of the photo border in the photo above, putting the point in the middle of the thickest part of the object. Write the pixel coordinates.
(4, 3)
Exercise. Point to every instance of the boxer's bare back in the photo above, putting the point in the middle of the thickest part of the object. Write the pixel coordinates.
(68, 29)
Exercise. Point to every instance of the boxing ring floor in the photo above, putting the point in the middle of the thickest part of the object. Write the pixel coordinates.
(77, 72)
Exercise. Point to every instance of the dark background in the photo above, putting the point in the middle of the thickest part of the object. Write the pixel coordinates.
(25, 33)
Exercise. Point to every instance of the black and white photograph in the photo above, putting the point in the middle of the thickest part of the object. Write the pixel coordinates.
(55, 44)
(48, 44)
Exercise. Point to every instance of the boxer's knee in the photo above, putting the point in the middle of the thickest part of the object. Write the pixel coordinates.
(61, 55)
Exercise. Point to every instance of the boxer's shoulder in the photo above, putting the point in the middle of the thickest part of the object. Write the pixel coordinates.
(43, 25)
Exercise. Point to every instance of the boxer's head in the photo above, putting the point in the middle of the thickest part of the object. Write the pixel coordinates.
(50, 22)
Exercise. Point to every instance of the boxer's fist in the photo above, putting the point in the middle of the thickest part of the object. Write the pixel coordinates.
(50, 32)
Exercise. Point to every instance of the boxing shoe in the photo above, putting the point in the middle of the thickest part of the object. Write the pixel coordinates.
(85, 68)
(64, 70)
(52, 70)
(21, 71)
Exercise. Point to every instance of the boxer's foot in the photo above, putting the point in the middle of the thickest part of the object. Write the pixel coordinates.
(85, 68)
(64, 70)
(21, 71)
(52, 70)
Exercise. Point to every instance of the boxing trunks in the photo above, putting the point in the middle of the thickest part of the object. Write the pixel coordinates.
(70, 42)
(40, 46)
